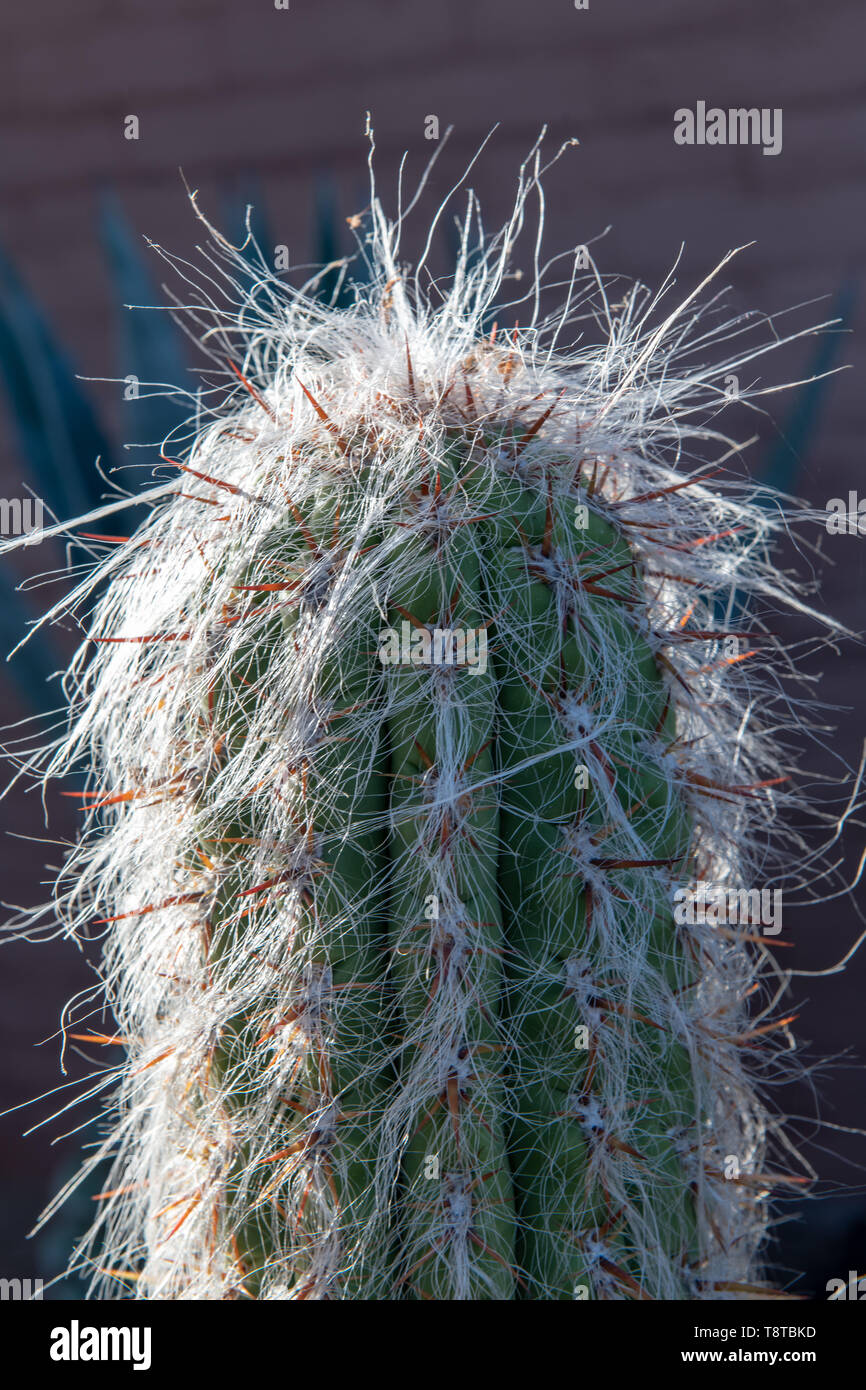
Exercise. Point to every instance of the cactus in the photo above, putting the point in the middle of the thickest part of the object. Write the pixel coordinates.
(410, 719)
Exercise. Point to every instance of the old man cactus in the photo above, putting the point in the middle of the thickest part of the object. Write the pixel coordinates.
(411, 714)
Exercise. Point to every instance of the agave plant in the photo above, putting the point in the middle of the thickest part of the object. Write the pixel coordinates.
(411, 713)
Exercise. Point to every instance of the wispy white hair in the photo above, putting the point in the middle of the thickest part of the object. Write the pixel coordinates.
(310, 396)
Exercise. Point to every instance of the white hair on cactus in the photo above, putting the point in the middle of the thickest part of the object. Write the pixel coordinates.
(321, 394)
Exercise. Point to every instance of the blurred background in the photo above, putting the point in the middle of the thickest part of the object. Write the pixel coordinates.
(262, 102)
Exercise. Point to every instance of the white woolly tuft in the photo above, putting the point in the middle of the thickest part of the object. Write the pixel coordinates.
(231, 711)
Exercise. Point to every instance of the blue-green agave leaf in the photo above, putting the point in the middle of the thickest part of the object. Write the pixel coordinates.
(58, 430)
(152, 356)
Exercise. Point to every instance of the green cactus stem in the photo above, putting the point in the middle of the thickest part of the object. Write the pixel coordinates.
(411, 724)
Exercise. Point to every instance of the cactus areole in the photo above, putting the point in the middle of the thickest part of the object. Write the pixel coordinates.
(410, 714)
